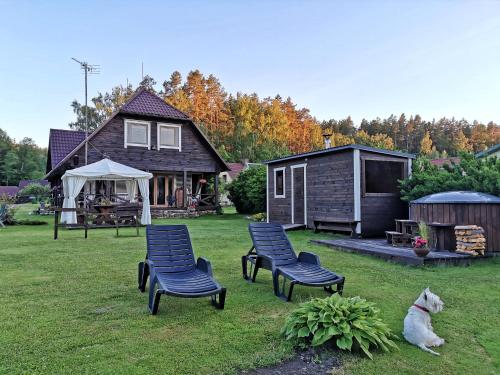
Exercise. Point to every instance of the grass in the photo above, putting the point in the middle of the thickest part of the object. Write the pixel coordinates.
(72, 306)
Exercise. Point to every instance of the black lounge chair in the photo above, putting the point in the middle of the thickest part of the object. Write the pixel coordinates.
(273, 251)
(170, 265)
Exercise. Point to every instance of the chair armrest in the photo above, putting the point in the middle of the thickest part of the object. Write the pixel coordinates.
(204, 265)
(260, 258)
(307, 257)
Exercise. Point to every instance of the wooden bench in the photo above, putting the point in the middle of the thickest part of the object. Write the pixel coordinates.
(397, 238)
(335, 224)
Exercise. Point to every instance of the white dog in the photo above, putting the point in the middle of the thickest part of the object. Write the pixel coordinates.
(417, 325)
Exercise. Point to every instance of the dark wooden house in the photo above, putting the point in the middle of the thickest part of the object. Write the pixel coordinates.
(148, 134)
(350, 188)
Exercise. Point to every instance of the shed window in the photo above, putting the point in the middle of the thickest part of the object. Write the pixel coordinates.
(381, 176)
(279, 183)
(169, 136)
(137, 133)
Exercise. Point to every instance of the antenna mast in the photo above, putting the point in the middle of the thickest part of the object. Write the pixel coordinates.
(88, 69)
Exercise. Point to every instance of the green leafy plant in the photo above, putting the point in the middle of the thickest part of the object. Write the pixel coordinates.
(423, 231)
(260, 217)
(38, 192)
(347, 322)
(470, 174)
(248, 191)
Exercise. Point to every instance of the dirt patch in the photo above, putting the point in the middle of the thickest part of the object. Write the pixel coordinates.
(309, 362)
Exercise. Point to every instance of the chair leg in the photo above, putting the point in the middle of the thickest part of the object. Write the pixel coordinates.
(154, 297)
(222, 299)
(340, 287)
(244, 266)
(144, 277)
(290, 291)
(256, 269)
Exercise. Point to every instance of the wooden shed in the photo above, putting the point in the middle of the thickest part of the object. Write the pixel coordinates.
(350, 188)
(461, 208)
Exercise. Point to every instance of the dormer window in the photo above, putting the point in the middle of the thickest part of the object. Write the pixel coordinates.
(169, 136)
(137, 133)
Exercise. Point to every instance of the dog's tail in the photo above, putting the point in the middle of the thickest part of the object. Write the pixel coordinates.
(426, 349)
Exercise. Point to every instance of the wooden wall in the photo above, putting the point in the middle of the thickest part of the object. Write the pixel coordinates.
(195, 155)
(484, 215)
(378, 212)
(329, 188)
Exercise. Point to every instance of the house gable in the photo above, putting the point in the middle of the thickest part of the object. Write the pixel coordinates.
(108, 140)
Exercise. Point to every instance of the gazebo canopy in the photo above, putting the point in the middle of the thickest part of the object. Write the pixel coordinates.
(105, 169)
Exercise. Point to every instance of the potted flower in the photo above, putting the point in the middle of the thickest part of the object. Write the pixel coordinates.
(421, 242)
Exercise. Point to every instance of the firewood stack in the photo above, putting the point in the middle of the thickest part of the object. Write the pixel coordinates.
(470, 239)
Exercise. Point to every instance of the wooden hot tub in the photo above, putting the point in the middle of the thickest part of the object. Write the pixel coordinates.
(461, 208)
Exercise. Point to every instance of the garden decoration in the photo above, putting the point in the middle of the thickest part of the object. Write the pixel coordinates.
(421, 243)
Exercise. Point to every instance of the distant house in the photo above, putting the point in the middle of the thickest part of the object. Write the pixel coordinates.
(492, 151)
(148, 134)
(350, 188)
(446, 161)
(9, 191)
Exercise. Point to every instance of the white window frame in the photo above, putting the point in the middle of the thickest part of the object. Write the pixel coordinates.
(126, 143)
(167, 125)
(284, 182)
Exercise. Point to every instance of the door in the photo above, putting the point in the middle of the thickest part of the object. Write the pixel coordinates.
(299, 194)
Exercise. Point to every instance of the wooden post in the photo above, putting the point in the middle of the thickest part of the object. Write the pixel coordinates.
(216, 188)
(56, 221)
(184, 187)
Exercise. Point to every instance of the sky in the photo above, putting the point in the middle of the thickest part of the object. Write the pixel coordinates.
(366, 59)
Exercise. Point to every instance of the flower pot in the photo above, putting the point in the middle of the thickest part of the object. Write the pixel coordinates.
(421, 251)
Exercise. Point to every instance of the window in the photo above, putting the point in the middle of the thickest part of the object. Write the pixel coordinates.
(279, 183)
(120, 188)
(137, 133)
(381, 176)
(169, 136)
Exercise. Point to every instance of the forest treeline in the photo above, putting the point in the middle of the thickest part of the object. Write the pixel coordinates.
(247, 126)
(22, 160)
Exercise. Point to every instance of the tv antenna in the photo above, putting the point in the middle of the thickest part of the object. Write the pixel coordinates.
(88, 69)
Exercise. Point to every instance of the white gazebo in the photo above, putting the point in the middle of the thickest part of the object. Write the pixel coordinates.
(105, 169)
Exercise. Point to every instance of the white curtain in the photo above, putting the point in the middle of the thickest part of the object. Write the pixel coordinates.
(131, 190)
(144, 189)
(71, 188)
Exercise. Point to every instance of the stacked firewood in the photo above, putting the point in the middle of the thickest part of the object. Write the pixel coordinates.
(470, 239)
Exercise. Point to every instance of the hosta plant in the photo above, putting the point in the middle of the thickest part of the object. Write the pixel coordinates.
(346, 322)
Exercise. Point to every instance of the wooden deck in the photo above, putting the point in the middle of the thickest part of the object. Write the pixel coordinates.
(381, 249)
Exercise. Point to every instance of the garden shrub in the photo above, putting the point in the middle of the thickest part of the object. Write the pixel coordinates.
(30, 222)
(346, 322)
(37, 191)
(248, 191)
(473, 174)
(260, 217)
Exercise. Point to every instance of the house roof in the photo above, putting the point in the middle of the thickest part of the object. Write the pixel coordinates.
(235, 169)
(447, 161)
(144, 102)
(9, 190)
(62, 142)
(24, 183)
(342, 148)
(489, 151)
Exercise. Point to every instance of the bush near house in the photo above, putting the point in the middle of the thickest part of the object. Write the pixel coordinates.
(248, 191)
(470, 174)
(37, 191)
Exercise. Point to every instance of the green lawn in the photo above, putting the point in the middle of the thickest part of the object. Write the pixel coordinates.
(72, 306)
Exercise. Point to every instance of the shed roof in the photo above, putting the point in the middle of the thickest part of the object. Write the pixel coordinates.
(489, 151)
(342, 148)
(463, 197)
